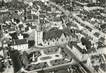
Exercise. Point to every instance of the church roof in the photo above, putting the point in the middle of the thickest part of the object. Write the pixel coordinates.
(55, 33)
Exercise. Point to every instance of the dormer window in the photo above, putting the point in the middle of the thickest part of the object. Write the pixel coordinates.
(20, 36)
(48, 43)
(56, 39)
(62, 40)
(53, 40)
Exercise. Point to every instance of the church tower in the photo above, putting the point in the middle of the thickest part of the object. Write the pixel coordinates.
(38, 33)
(38, 36)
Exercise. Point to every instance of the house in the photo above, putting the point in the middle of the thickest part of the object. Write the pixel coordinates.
(31, 16)
(19, 44)
(1, 53)
(90, 1)
(7, 1)
(6, 40)
(57, 21)
(5, 43)
(11, 30)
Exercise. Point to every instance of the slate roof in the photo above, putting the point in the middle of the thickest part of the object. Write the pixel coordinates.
(42, 16)
(11, 29)
(55, 33)
(35, 17)
(103, 26)
(61, 71)
(57, 19)
(19, 42)
(33, 27)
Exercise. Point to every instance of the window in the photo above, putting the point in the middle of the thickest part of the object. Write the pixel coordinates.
(57, 39)
(53, 40)
(44, 42)
(48, 43)
(62, 39)
(29, 17)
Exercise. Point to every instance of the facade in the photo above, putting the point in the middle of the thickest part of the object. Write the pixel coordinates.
(7, 1)
(91, 1)
(38, 37)
(19, 44)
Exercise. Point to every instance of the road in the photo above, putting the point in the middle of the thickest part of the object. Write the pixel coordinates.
(86, 31)
(77, 60)
(85, 23)
(67, 13)
(89, 25)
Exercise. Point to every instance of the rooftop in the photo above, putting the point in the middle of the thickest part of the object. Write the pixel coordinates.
(19, 42)
(55, 33)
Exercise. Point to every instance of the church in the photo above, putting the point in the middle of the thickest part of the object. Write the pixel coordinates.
(53, 37)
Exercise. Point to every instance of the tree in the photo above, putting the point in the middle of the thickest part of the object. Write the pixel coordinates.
(31, 43)
(16, 59)
(25, 35)
(2, 67)
(86, 42)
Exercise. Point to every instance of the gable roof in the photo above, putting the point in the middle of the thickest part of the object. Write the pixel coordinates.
(19, 42)
(55, 33)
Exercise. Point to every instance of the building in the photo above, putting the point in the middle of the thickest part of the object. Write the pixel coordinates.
(1, 53)
(53, 37)
(19, 44)
(38, 37)
(91, 1)
(31, 14)
(7, 1)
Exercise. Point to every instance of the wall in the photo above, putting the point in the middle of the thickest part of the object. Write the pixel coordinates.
(20, 47)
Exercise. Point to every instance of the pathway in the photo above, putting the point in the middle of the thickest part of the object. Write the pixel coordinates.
(51, 57)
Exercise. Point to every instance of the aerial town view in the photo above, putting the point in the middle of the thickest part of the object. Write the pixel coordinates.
(52, 36)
